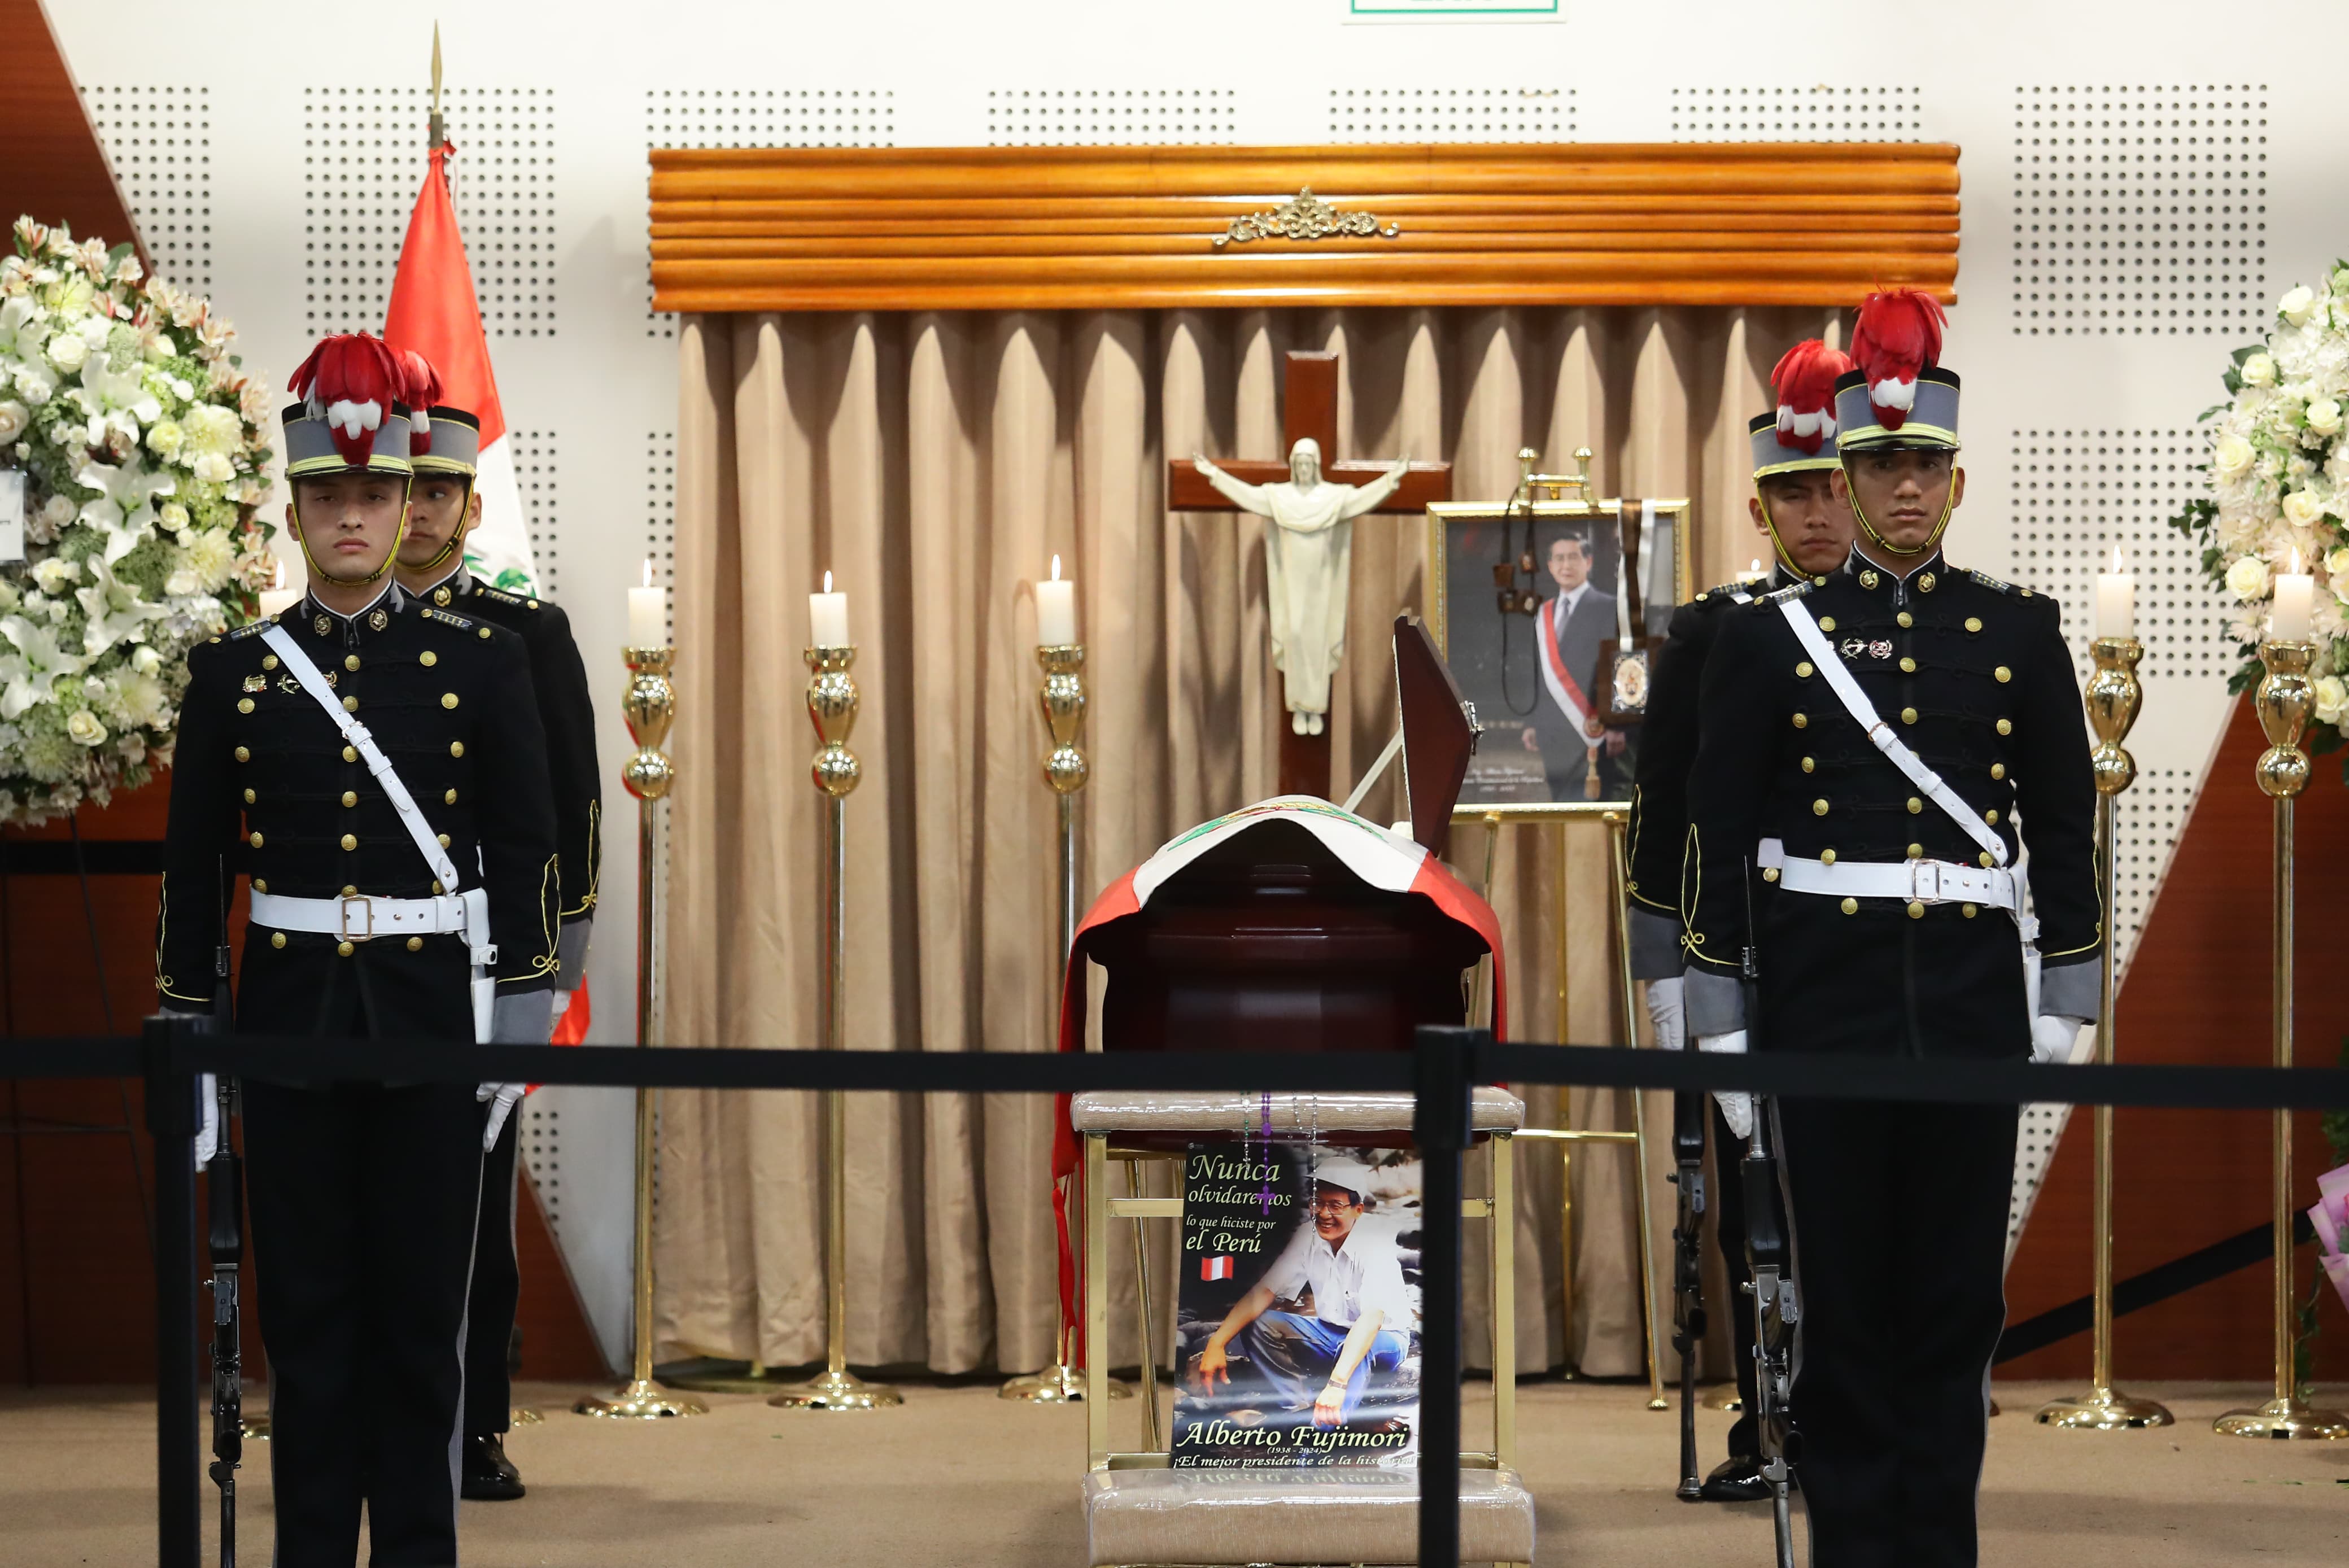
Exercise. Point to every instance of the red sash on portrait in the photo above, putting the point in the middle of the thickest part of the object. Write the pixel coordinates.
(1563, 687)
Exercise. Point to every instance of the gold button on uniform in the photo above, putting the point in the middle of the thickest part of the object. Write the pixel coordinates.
(350, 798)
(1988, 860)
(1906, 619)
(350, 704)
(350, 661)
(1868, 580)
(1808, 764)
(244, 704)
(485, 633)
(441, 597)
(1827, 857)
(1998, 769)
(269, 661)
(1974, 623)
(1916, 852)
(248, 797)
(1908, 665)
(427, 658)
(2005, 727)
(255, 839)
(457, 748)
(449, 798)
(1925, 584)
(2003, 674)
(1801, 720)
(1769, 874)
(1908, 716)
(1827, 622)
(243, 755)
(350, 754)
(1851, 906)
(1818, 807)
(416, 944)
(260, 886)
(1803, 669)
(437, 889)
(1967, 910)
(1915, 805)
(1916, 910)
(350, 892)
(350, 841)
(444, 840)
(343, 949)
(1991, 816)
(447, 699)
(276, 939)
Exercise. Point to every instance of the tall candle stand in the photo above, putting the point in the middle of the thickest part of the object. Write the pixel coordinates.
(649, 706)
(832, 707)
(2284, 701)
(1063, 699)
(2113, 698)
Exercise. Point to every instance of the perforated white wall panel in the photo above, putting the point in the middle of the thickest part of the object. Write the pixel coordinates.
(536, 463)
(1109, 117)
(2140, 209)
(660, 510)
(361, 149)
(160, 141)
(1817, 113)
(1450, 114)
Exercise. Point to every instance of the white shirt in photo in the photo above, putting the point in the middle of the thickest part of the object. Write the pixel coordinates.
(1365, 1272)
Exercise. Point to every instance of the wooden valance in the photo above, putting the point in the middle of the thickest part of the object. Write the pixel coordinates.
(1000, 228)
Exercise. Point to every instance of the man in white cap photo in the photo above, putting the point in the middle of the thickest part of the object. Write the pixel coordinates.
(1362, 1321)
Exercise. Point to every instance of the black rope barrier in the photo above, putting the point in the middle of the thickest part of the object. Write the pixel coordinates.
(1439, 1073)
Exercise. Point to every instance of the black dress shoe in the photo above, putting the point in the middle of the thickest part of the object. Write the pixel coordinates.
(489, 1476)
(1738, 1479)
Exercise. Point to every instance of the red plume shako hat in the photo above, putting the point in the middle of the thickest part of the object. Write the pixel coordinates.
(352, 416)
(448, 438)
(1800, 434)
(1897, 394)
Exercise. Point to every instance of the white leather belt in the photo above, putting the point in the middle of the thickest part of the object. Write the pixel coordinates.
(359, 917)
(1910, 882)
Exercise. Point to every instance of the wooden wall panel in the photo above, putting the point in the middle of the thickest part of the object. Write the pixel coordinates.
(993, 228)
(2197, 992)
(54, 168)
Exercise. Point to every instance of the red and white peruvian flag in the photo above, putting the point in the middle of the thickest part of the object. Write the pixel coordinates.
(435, 313)
(1215, 1268)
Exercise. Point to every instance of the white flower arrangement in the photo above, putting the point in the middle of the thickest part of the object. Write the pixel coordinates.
(2279, 487)
(143, 446)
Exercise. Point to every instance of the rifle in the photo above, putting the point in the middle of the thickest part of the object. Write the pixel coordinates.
(1687, 1269)
(228, 1388)
(1776, 1306)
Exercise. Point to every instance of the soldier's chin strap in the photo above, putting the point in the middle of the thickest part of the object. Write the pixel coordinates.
(1786, 556)
(456, 535)
(1949, 506)
(391, 556)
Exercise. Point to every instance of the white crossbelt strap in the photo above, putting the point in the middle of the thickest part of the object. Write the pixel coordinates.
(475, 901)
(1856, 703)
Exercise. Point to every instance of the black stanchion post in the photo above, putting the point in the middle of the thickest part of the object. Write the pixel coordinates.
(1446, 1061)
(172, 1118)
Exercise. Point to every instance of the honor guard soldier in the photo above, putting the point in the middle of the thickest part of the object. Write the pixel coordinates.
(376, 766)
(1874, 753)
(444, 509)
(1797, 508)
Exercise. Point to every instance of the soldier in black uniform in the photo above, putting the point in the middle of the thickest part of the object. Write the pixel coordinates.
(363, 1194)
(1796, 506)
(1891, 922)
(445, 509)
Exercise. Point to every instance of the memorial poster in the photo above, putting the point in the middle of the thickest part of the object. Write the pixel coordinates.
(1298, 1308)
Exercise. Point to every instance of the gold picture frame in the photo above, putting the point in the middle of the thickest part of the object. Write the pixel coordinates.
(1501, 675)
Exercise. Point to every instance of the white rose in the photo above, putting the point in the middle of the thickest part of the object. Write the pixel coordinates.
(2296, 304)
(2258, 370)
(173, 516)
(183, 583)
(58, 512)
(68, 350)
(2231, 458)
(83, 727)
(2325, 417)
(13, 418)
(55, 573)
(214, 470)
(164, 439)
(2302, 509)
(2336, 562)
(2332, 697)
(2247, 579)
(34, 386)
(146, 660)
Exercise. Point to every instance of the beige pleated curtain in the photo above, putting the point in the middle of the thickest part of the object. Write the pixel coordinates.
(935, 463)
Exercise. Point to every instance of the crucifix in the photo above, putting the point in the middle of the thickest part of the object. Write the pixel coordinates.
(1308, 546)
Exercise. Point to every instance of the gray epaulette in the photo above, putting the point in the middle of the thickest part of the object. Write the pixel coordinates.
(253, 628)
(430, 613)
(1987, 581)
(503, 597)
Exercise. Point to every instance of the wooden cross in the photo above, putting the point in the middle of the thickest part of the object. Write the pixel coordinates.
(1309, 408)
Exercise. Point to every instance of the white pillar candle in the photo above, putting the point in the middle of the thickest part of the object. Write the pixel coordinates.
(2295, 590)
(1056, 610)
(649, 612)
(2116, 601)
(1752, 573)
(828, 617)
(278, 598)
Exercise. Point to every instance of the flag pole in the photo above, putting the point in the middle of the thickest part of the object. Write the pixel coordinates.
(439, 127)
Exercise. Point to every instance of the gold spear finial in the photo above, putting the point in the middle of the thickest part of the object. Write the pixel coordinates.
(439, 127)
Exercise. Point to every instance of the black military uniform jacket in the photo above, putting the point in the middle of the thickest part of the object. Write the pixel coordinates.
(1667, 733)
(263, 784)
(568, 713)
(1974, 674)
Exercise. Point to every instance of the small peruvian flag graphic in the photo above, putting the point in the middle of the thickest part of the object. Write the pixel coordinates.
(1215, 1268)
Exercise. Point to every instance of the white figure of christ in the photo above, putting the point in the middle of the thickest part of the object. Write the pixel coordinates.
(1306, 557)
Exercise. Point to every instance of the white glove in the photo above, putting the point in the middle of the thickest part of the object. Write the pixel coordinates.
(1667, 1015)
(561, 1005)
(503, 1098)
(1736, 1105)
(207, 1131)
(2055, 1038)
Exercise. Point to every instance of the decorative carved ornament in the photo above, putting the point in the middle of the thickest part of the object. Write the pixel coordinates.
(1303, 217)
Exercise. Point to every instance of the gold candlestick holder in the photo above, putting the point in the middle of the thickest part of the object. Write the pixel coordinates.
(2113, 698)
(649, 704)
(831, 703)
(1063, 701)
(2284, 702)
